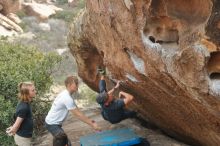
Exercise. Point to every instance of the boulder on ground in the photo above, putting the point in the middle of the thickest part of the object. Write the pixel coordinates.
(155, 47)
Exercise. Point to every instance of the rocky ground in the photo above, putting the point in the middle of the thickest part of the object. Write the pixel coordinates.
(75, 129)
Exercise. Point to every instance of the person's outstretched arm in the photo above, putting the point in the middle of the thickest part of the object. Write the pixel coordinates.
(85, 119)
(127, 97)
(110, 92)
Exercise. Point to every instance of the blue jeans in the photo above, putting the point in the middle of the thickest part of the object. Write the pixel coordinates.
(102, 86)
(59, 136)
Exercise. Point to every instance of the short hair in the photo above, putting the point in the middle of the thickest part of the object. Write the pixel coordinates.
(23, 88)
(70, 80)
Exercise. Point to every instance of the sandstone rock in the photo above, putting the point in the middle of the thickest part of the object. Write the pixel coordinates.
(212, 29)
(41, 11)
(218, 25)
(45, 26)
(128, 4)
(27, 36)
(55, 8)
(158, 48)
(213, 64)
(1, 7)
(8, 19)
(13, 17)
(72, 3)
(10, 6)
(5, 32)
(8, 24)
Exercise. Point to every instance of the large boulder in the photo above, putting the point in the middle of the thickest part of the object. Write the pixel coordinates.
(8, 19)
(10, 6)
(40, 11)
(9, 25)
(165, 51)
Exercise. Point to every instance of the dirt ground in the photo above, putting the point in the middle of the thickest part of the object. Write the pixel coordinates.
(75, 129)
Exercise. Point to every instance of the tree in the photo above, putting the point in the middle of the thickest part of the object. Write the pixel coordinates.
(21, 63)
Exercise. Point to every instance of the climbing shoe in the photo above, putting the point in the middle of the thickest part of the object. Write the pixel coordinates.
(101, 71)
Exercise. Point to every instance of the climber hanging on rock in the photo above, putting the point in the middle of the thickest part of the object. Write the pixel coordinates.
(113, 110)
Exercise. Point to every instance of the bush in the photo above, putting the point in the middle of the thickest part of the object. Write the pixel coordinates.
(61, 2)
(65, 15)
(87, 93)
(69, 13)
(6, 112)
(19, 63)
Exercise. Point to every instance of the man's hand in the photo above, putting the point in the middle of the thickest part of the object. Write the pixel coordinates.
(9, 131)
(110, 92)
(117, 85)
(120, 95)
(85, 119)
(96, 127)
(13, 129)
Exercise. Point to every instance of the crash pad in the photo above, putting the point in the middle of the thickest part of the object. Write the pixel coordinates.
(116, 137)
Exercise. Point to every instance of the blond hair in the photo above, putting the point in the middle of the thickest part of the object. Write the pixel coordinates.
(70, 80)
(23, 88)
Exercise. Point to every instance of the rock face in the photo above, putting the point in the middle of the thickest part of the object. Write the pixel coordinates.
(9, 20)
(10, 6)
(165, 51)
(40, 11)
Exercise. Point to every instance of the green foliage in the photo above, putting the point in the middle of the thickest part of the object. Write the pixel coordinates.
(19, 63)
(23, 25)
(61, 2)
(4, 38)
(87, 93)
(81, 4)
(21, 14)
(69, 13)
(66, 67)
(40, 114)
(65, 15)
(6, 112)
(6, 140)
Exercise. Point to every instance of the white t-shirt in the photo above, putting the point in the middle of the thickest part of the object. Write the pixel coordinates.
(60, 108)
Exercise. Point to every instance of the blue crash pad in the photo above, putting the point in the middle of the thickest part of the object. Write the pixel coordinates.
(117, 137)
